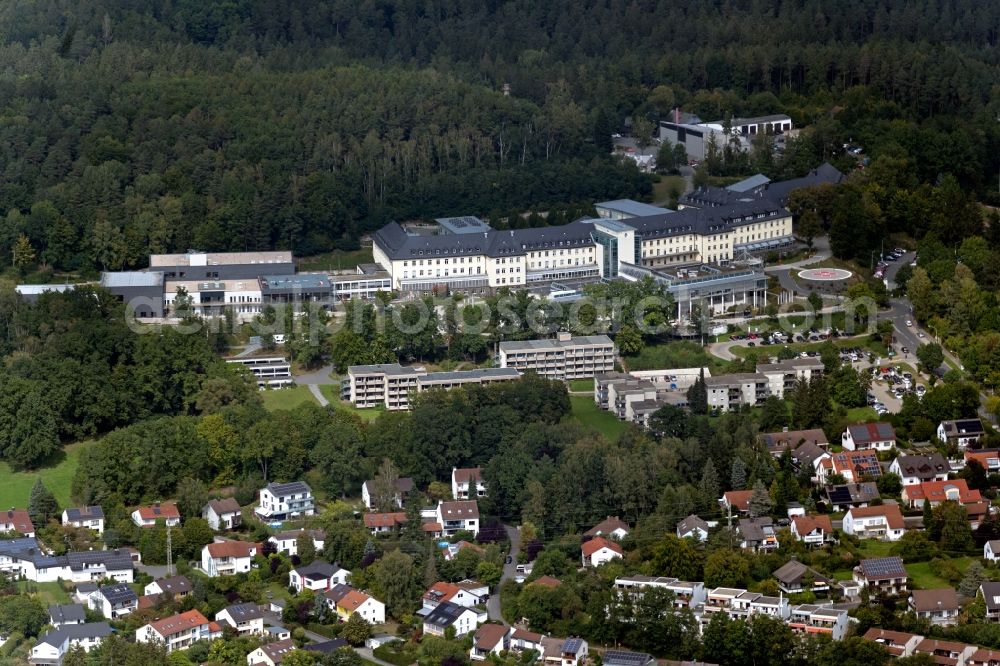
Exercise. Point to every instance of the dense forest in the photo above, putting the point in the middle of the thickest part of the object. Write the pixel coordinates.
(153, 125)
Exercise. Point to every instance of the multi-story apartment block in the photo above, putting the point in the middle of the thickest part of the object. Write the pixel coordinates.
(281, 501)
(390, 385)
(814, 619)
(270, 371)
(686, 594)
(783, 375)
(726, 392)
(565, 357)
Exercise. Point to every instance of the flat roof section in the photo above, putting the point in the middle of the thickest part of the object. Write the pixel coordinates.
(131, 279)
(465, 224)
(631, 207)
(219, 258)
(528, 345)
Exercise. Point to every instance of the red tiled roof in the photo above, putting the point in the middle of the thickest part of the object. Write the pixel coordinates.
(233, 549)
(431, 527)
(598, 543)
(352, 600)
(806, 524)
(938, 491)
(156, 512)
(983, 456)
(488, 635)
(441, 591)
(468, 475)
(461, 510)
(739, 499)
(169, 626)
(148, 601)
(891, 513)
(16, 520)
(384, 519)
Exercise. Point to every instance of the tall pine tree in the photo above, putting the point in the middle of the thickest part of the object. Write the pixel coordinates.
(42, 504)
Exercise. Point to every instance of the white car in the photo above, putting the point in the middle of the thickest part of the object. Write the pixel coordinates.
(909, 323)
(920, 334)
(921, 389)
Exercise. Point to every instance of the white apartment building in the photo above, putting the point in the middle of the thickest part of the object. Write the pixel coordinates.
(565, 357)
(390, 385)
(687, 594)
(782, 376)
(281, 501)
(726, 392)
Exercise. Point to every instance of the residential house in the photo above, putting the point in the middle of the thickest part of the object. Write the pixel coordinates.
(984, 657)
(467, 483)
(404, 486)
(245, 618)
(326, 647)
(146, 516)
(599, 550)
(317, 575)
(572, 652)
(227, 558)
(880, 436)
(178, 632)
(757, 534)
(462, 515)
(896, 643)
(794, 577)
(883, 522)
(883, 575)
(988, 458)
(478, 590)
(287, 542)
(271, 654)
(790, 440)
(90, 517)
(819, 619)
(851, 495)
(991, 550)
(114, 601)
(176, 586)
(611, 527)
(453, 549)
(489, 639)
(963, 433)
(17, 520)
(945, 652)
(809, 456)
(686, 594)
(813, 530)
(53, 646)
(990, 592)
(623, 658)
(281, 501)
(446, 614)
(692, 527)
(914, 470)
(736, 501)
(344, 600)
(936, 492)
(379, 523)
(223, 514)
(938, 606)
(854, 466)
(94, 565)
(442, 592)
(64, 614)
(522, 640)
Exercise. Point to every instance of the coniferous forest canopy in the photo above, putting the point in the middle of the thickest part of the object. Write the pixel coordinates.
(159, 125)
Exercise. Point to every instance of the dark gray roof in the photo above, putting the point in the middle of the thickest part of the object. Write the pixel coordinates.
(175, 584)
(881, 568)
(338, 592)
(751, 183)
(115, 560)
(777, 192)
(225, 505)
(991, 595)
(824, 174)
(244, 612)
(623, 658)
(119, 594)
(793, 571)
(872, 432)
(466, 224)
(290, 488)
(444, 614)
(690, 523)
(317, 569)
(572, 645)
(26, 549)
(67, 613)
(924, 468)
(57, 637)
(755, 529)
(632, 207)
(326, 647)
(84, 513)
(807, 453)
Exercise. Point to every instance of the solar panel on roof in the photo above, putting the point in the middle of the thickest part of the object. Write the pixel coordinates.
(572, 645)
(623, 658)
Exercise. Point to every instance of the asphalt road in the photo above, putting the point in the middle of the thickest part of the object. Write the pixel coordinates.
(509, 570)
(821, 246)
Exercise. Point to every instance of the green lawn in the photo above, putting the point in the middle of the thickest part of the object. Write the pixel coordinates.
(581, 385)
(16, 486)
(923, 579)
(366, 414)
(676, 354)
(662, 188)
(587, 413)
(861, 414)
(336, 260)
(48, 593)
(286, 398)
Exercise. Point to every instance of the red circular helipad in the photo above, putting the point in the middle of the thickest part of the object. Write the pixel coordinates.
(825, 274)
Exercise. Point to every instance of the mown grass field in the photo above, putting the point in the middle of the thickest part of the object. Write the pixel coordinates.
(587, 413)
(675, 354)
(15, 487)
(286, 398)
(48, 593)
(336, 260)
